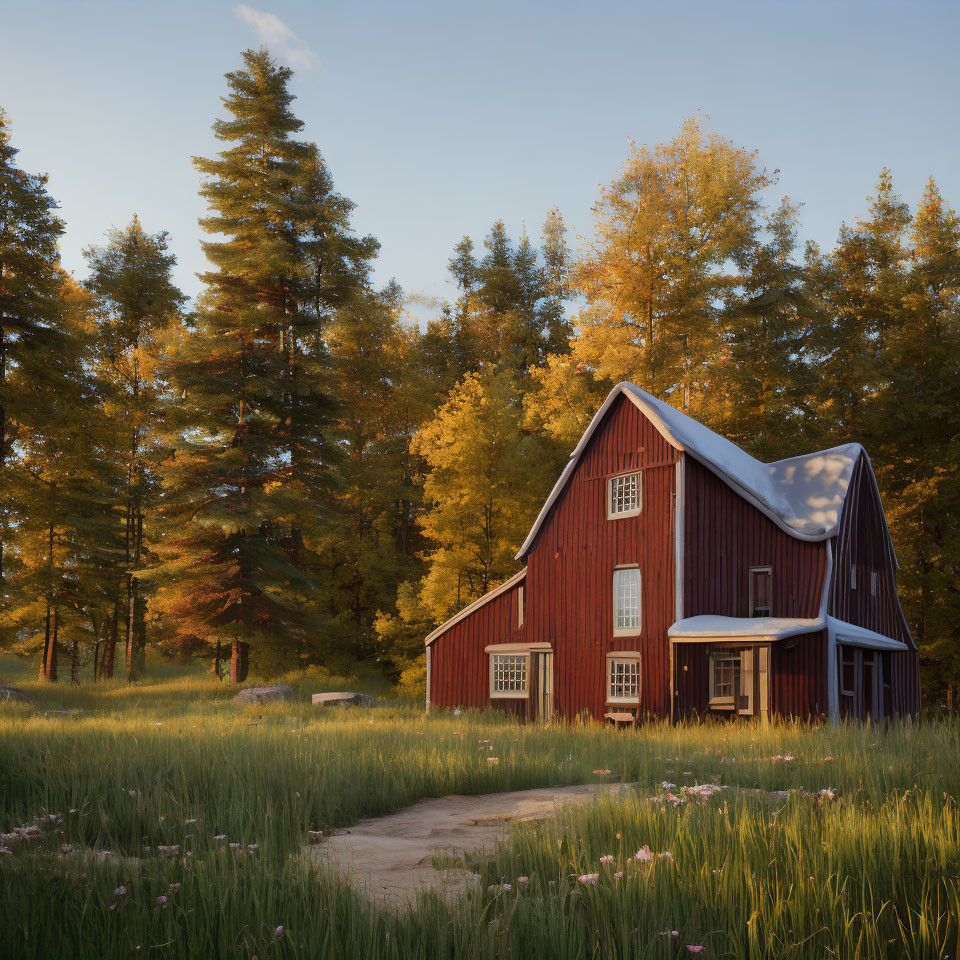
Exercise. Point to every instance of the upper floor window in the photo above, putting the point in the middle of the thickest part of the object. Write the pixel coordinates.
(853, 576)
(520, 606)
(874, 583)
(508, 675)
(626, 601)
(761, 591)
(623, 496)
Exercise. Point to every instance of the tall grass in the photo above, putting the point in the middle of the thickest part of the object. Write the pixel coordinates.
(177, 764)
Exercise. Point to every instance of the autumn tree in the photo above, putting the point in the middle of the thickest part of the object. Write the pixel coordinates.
(137, 305)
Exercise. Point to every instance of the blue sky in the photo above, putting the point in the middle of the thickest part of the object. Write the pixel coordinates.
(438, 117)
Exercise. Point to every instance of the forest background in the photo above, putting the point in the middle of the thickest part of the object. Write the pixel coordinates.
(292, 470)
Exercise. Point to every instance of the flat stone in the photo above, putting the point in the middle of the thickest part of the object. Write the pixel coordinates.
(265, 694)
(15, 695)
(343, 698)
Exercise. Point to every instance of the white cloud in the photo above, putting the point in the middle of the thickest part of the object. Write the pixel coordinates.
(276, 35)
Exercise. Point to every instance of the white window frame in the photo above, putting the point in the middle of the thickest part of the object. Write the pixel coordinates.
(718, 702)
(631, 631)
(517, 655)
(844, 691)
(764, 568)
(623, 657)
(610, 487)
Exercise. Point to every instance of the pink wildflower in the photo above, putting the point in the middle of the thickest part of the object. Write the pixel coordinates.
(278, 931)
(644, 853)
(618, 874)
(161, 901)
(522, 881)
(589, 878)
(694, 947)
(607, 859)
(669, 933)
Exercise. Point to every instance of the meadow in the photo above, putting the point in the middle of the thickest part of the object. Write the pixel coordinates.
(165, 820)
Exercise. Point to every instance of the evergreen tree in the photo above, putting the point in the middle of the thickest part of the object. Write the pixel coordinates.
(760, 382)
(860, 286)
(916, 443)
(29, 334)
(137, 305)
(251, 473)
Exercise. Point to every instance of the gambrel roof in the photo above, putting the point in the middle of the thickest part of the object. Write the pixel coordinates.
(802, 495)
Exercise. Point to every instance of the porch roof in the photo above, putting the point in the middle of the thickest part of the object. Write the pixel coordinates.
(705, 628)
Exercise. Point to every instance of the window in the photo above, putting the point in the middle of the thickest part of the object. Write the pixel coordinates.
(626, 602)
(761, 590)
(520, 606)
(624, 496)
(874, 583)
(508, 674)
(623, 679)
(848, 670)
(853, 576)
(724, 680)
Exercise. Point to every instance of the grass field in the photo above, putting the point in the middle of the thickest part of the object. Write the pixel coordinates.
(205, 808)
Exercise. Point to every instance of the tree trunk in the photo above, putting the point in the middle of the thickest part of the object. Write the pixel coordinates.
(50, 653)
(239, 661)
(48, 671)
(217, 657)
(110, 650)
(75, 662)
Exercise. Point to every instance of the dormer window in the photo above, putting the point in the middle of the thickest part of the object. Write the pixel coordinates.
(623, 496)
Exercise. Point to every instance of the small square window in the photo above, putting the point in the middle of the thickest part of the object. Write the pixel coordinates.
(623, 680)
(626, 602)
(508, 675)
(624, 495)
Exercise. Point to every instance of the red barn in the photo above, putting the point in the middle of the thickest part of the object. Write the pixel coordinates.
(670, 574)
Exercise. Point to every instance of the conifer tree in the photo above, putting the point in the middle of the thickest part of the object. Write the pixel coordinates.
(29, 334)
(137, 305)
(860, 288)
(760, 383)
(251, 477)
(916, 443)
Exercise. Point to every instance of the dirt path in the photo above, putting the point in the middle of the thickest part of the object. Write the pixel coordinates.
(391, 857)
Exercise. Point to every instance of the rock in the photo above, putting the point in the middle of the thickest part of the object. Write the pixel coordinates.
(14, 695)
(265, 694)
(343, 698)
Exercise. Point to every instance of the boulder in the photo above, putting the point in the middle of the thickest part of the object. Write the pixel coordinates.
(343, 698)
(14, 695)
(265, 694)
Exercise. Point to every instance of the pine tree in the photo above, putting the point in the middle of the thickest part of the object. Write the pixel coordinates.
(251, 476)
(916, 445)
(760, 383)
(29, 334)
(860, 286)
(137, 305)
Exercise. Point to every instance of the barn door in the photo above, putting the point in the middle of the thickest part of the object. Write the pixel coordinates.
(544, 686)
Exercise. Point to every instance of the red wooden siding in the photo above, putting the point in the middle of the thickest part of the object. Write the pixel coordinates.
(725, 536)
(798, 676)
(570, 566)
(862, 541)
(459, 668)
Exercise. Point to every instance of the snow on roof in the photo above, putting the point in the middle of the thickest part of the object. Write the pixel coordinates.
(479, 602)
(862, 637)
(802, 495)
(776, 628)
(694, 628)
